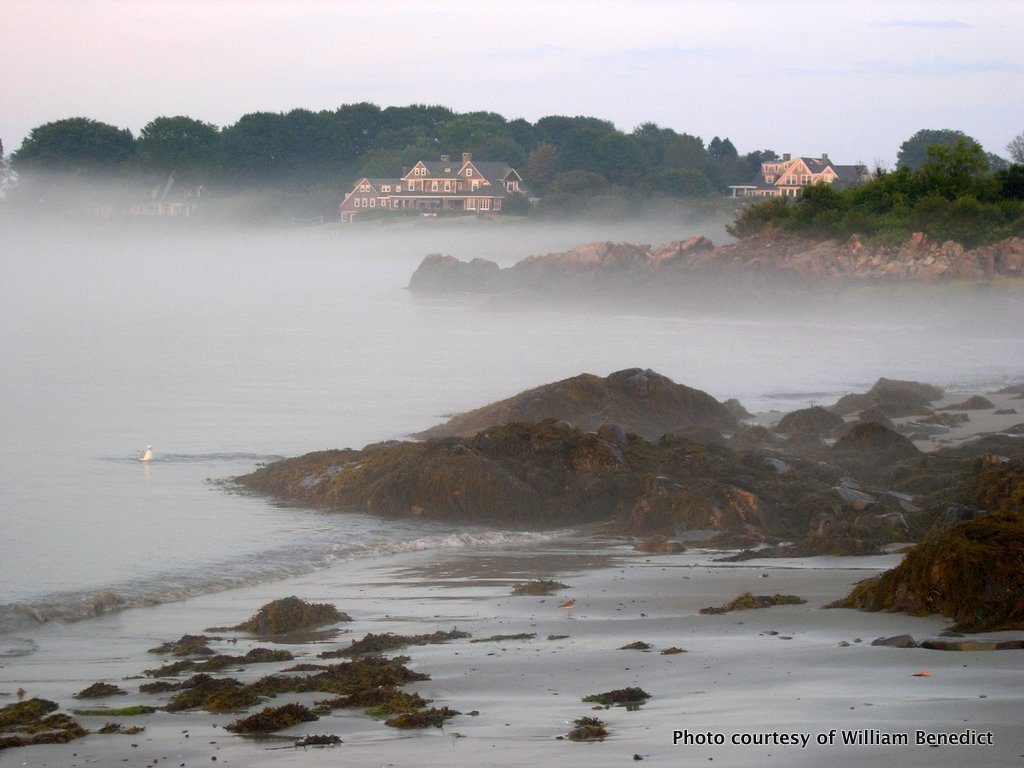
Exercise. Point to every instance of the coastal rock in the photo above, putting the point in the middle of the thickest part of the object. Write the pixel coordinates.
(976, 403)
(873, 442)
(815, 421)
(896, 641)
(759, 260)
(970, 571)
(891, 397)
(641, 402)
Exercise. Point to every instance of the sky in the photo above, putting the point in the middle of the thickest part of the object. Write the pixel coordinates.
(853, 79)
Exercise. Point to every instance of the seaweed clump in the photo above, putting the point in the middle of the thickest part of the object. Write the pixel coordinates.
(289, 614)
(30, 722)
(273, 719)
(130, 730)
(537, 587)
(378, 702)
(423, 719)
(388, 641)
(748, 601)
(636, 645)
(618, 696)
(187, 645)
(99, 691)
(502, 638)
(222, 661)
(588, 729)
(136, 709)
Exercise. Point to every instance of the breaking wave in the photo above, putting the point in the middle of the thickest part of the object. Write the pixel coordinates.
(292, 560)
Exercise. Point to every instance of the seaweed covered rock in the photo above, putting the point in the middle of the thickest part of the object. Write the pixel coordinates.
(748, 601)
(892, 397)
(639, 401)
(976, 403)
(290, 614)
(99, 691)
(871, 442)
(186, 645)
(435, 716)
(972, 572)
(32, 722)
(389, 641)
(273, 719)
(810, 422)
(619, 696)
(537, 587)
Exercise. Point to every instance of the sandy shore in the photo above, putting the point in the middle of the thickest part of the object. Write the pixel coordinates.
(776, 670)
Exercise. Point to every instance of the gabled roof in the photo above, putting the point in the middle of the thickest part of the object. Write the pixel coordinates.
(493, 171)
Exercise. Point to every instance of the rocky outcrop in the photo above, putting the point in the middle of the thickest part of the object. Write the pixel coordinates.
(892, 398)
(810, 422)
(773, 254)
(871, 488)
(641, 402)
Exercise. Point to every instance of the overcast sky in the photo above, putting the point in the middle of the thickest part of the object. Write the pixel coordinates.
(853, 79)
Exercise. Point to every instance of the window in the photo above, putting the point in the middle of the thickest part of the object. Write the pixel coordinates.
(447, 186)
(769, 179)
(433, 186)
(805, 179)
(373, 202)
(469, 172)
(485, 204)
(385, 188)
(497, 205)
(471, 203)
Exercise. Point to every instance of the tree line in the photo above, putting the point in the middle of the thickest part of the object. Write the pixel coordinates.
(302, 150)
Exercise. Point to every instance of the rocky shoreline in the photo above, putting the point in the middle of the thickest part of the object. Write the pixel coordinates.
(770, 257)
(840, 480)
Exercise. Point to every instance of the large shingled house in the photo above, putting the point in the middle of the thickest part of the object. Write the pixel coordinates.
(785, 177)
(431, 186)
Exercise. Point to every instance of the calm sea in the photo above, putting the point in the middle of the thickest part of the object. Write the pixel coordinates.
(224, 349)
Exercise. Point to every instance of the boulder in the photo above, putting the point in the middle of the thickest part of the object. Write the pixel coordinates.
(976, 403)
(874, 442)
(896, 641)
(642, 402)
(815, 422)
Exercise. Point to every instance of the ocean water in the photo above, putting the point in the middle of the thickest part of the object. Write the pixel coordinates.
(225, 349)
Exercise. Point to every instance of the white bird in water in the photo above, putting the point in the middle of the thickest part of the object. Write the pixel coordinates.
(147, 455)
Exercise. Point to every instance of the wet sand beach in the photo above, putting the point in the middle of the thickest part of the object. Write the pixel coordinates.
(751, 675)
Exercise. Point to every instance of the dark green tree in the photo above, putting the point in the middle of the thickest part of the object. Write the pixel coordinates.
(76, 145)
(914, 151)
(189, 147)
(953, 171)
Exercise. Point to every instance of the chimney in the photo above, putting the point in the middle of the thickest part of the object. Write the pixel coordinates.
(467, 156)
(785, 157)
(824, 157)
(446, 159)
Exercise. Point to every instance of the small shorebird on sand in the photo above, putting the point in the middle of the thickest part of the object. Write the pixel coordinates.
(568, 605)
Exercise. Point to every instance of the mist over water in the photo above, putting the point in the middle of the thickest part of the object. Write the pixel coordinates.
(225, 348)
